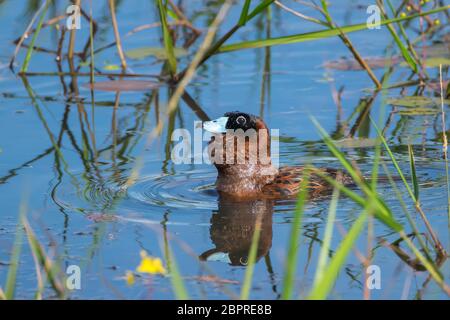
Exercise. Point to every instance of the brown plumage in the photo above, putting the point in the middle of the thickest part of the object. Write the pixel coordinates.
(286, 184)
(246, 173)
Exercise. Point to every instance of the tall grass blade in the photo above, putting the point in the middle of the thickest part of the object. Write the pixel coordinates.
(413, 172)
(248, 278)
(291, 262)
(15, 257)
(323, 287)
(381, 210)
(33, 39)
(348, 43)
(412, 60)
(244, 13)
(317, 35)
(404, 51)
(168, 43)
(326, 242)
(176, 279)
(51, 270)
(437, 243)
(407, 213)
(259, 8)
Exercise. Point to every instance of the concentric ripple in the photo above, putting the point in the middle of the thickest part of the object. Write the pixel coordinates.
(192, 189)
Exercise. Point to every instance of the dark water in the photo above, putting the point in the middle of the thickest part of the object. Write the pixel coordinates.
(84, 213)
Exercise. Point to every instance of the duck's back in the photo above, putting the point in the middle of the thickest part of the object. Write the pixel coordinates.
(287, 183)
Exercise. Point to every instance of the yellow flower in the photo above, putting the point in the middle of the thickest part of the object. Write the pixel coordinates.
(129, 277)
(402, 14)
(150, 265)
(408, 8)
(437, 22)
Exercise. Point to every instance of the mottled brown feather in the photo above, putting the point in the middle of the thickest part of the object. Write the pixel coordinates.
(287, 183)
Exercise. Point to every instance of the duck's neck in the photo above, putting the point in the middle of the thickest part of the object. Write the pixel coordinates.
(244, 180)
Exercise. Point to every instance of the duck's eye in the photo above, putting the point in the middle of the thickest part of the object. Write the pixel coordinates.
(241, 120)
(243, 261)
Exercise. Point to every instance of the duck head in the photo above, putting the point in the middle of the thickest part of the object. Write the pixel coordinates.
(240, 150)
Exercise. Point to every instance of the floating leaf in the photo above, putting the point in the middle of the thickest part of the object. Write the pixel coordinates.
(433, 62)
(123, 85)
(436, 62)
(99, 217)
(159, 53)
(346, 64)
(214, 279)
(435, 50)
(419, 111)
(357, 143)
(111, 67)
(84, 63)
(416, 101)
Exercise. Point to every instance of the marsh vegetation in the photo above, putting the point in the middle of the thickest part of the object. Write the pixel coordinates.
(86, 176)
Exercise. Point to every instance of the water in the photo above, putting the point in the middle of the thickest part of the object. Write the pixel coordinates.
(84, 213)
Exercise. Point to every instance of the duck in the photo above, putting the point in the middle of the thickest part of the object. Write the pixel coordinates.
(246, 171)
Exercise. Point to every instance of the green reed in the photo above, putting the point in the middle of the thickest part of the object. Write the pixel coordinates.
(248, 277)
(292, 252)
(27, 60)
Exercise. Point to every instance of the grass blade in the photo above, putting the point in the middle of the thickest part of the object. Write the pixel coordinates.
(246, 286)
(348, 43)
(15, 257)
(328, 234)
(413, 172)
(433, 235)
(317, 35)
(323, 287)
(244, 13)
(176, 279)
(381, 211)
(405, 53)
(412, 60)
(51, 270)
(168, 43)
(259, 8)
(33, 40)
(291, 263)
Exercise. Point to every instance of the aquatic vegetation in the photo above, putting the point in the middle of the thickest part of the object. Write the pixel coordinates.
(103, 181)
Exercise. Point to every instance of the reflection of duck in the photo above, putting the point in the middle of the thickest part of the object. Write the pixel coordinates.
(232, 229)
(250, 179)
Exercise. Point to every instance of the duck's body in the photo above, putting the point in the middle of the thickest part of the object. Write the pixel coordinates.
(258, 179)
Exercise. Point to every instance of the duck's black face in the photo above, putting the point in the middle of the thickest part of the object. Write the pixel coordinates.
(234, 121)
(240, 120)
